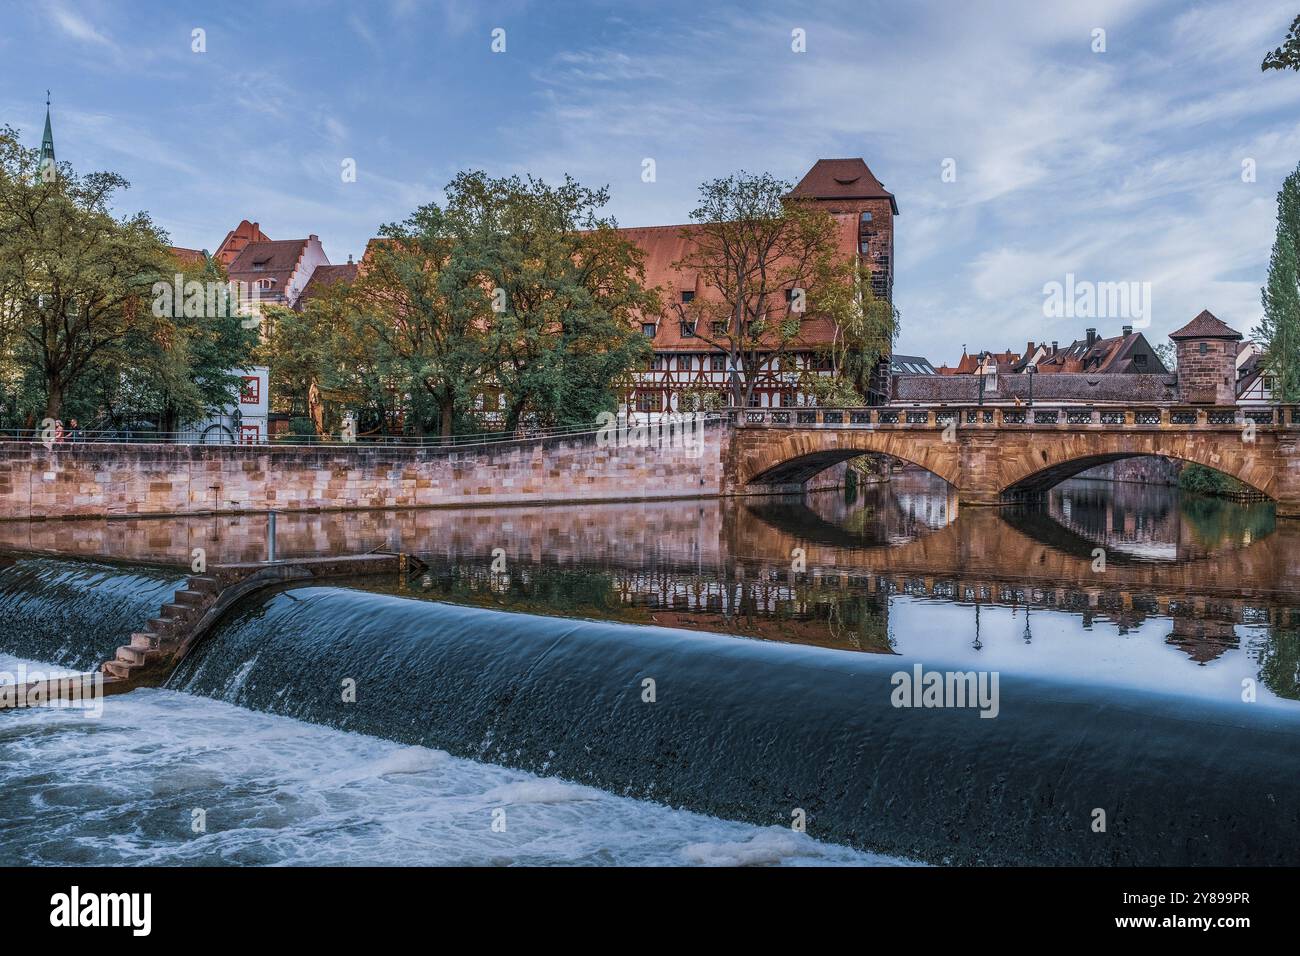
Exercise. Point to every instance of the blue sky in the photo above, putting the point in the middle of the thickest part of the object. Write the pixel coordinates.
(1122, 165)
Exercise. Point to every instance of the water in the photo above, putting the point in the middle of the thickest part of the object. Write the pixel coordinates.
(124, 790)
(1161, 684)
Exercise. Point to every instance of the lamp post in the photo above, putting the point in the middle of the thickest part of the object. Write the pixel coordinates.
(1030, 371)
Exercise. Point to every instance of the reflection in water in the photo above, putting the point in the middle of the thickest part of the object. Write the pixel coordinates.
(1193, 605)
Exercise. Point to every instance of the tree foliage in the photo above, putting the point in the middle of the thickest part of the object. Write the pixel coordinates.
(768, 265)
(81, 331)
(1287, 56)
(1279, 331)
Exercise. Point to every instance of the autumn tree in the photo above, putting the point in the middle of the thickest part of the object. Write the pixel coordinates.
(561, 289)
(769, 264)
(74, 280)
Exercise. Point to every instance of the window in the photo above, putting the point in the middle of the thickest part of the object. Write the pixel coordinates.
(250, 390)
(720, 328)
(657, 363)
(687, 296)
(1205, 348)
(1140, 361)
(648, 401)
(648, 329)
(755, 400)
(865, 217)
(265, 283)
(688, 330)
(718, 363)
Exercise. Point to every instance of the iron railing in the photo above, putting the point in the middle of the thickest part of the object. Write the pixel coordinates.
(149, 436)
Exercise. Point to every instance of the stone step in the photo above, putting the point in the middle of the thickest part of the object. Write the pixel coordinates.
(131, 655)
(115, 668)
(192, 598)
(204, 583)
(179, 613)
(146, 641)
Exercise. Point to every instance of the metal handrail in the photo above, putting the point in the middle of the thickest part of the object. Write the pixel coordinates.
(140, 436)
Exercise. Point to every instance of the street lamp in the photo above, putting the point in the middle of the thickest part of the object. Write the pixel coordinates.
(1030, 371)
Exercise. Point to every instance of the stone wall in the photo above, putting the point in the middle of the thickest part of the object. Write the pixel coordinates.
(87, 480)
(1210, 376)
(1138, 471)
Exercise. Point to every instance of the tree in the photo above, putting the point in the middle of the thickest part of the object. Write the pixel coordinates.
(1279, 331)
(1168, 355)
(560, 289)
(1287, 56)
(767, 265)
(74, 280)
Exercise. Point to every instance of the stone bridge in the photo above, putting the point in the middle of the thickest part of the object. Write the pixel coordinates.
(991, 455)
(988, 455)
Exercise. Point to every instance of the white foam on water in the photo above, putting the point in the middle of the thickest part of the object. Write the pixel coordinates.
(541, 790)
(166, 778)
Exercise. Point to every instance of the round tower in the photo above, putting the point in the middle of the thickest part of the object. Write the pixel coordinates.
(1207, 361)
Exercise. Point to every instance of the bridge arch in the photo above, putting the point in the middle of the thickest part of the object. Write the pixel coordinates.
(783, 457)
(1047, 463)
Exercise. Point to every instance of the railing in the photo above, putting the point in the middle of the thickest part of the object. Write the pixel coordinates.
(149, 436)
(1039, 415)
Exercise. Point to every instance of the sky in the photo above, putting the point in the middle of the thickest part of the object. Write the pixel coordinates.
(1023, 145)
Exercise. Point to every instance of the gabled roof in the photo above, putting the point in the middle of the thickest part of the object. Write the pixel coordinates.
(1205, 326)
(237, 239)
(322, 278)
(842, 179)
(276, 260)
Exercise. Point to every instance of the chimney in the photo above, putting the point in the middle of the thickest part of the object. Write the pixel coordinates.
(1054, 347)
(314, 238)
(1128, 330)
(1092, 337)
(349, 258)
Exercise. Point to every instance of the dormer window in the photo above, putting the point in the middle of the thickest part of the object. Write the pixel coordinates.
(259, 265)
(688, 330)
(648, 329)
(265, 283)
(687, 296)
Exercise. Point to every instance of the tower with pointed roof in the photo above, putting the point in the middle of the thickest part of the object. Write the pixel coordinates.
(1207, 361)
(47, 144)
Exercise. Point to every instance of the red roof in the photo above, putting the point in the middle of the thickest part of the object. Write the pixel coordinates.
(237, 239)
(276, 260)
(1205, 326)
(187, 256)
(322, 277)
(665, 245)
(842, 179)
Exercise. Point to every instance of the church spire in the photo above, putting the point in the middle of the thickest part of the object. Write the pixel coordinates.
(47, 143)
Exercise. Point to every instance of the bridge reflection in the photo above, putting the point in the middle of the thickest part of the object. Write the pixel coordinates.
(892, 567)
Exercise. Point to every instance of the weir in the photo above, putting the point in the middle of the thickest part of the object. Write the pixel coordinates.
(758, 731)
(153, 650)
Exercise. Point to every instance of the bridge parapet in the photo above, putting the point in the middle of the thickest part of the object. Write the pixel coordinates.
(1061, 415)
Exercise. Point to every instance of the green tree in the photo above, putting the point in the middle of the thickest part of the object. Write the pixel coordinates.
(768, 265)
(559, 288)
(1279, 331)
(1287, 56)
(74, 280)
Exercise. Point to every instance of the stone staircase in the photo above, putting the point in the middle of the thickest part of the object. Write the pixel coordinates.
(155, 647)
